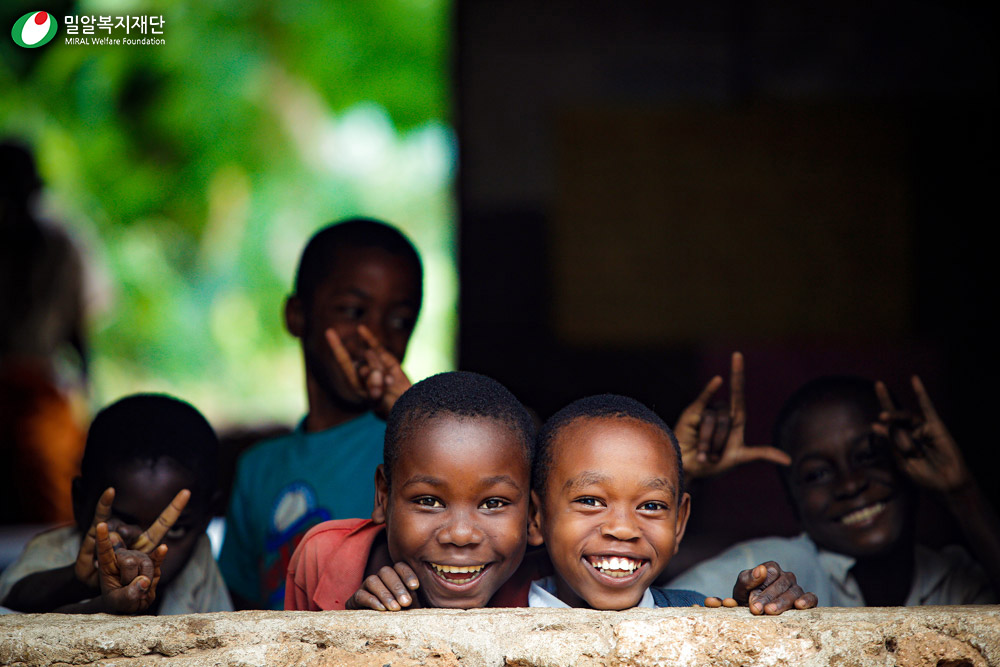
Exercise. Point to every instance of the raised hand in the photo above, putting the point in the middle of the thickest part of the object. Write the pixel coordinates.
(767, 589)
(86, 563)
(925, 450)
(386, 591)
(711, 442)
(127, 577)
(379, 379)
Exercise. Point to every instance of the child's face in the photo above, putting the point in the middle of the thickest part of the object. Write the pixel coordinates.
(142, 491)
(850, 496)
(612, 517)
(457, 510)
(368, 286)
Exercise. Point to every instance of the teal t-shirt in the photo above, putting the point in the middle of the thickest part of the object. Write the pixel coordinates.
(284, 487)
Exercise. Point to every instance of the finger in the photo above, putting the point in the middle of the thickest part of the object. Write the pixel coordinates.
(926, 406)
(151, 537)
(765, 453)
(884, 398)
(135, 594)
(158, 555)
(719, 437)
(807, 601)
(129, 565)
(375, 382)
(103, 511)
(365, 600)
(730, 602)
(374, 585)
(390, 577)
(107, 563)
(705, 433)
(737, 399)
(343, 358)
(370, 340)
(407, 575)
(713, 602)
(784, 601)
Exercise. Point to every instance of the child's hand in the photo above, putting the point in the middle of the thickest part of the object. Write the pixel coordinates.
(86, 562)
(711, 442)
(924, 448)
(128, 578)
(767, 589)
(380, 379)
(386, 591)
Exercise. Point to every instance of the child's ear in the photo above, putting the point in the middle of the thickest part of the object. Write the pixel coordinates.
(535, 520)
(683, 514)
(381, 495)
(294, 317)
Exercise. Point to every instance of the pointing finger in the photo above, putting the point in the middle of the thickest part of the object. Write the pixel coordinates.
(926, 406)
(152, 536)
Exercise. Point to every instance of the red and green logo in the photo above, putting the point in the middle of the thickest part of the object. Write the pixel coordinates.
(34, 29)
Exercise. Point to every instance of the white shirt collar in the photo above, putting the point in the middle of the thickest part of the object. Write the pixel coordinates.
(542, 594)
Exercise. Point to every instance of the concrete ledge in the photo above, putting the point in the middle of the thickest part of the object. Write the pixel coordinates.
(934, 636)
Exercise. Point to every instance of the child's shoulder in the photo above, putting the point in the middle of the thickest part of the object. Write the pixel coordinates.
(675, 597)
(333, 536)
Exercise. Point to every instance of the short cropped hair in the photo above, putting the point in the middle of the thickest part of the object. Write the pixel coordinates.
(149, 427)
(849, 389)
(318, 256)
(600, 406)
(460, 394)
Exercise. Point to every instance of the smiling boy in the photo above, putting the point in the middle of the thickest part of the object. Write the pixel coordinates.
(451, 504)
(856, 468)
(610, 507)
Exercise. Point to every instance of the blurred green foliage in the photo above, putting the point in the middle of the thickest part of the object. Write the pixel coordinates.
(194, 172)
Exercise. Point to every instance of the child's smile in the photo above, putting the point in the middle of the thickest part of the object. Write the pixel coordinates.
(457, 513)
(611, 517)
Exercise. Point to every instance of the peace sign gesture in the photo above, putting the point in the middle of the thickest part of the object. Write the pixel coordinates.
(128, 577)
(924, 448)
(86, 568)
(711, 440)
(379, 379)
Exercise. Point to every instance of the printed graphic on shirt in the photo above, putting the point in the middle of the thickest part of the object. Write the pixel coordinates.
(293, 513)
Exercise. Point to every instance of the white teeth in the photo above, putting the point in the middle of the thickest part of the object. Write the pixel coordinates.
(616, 566)
(862, 514)
(455, 569)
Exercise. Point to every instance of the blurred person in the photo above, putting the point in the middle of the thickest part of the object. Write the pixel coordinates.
(41, 322)
(857, 464)
(357, 295)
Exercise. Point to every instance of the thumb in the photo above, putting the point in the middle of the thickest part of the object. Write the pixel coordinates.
(772, 454)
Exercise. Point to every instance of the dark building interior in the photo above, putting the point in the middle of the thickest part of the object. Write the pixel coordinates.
(646, 187)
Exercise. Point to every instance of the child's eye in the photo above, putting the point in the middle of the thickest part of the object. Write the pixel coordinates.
(816, 475)
(350, 312)
(177, 532)
(653, 506)
(589, 501)
(494, 503)
(428, 501)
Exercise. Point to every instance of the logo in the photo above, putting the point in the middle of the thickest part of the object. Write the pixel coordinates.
(34, 29)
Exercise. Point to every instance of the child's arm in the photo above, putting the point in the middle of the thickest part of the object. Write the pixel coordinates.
(712, 442)
(380, 379)
(386, 591)
(930, 457)
(767, 589)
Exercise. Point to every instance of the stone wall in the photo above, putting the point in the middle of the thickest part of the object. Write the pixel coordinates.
(934, 636)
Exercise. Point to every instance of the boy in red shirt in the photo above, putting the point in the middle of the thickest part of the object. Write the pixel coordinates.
(451, 504)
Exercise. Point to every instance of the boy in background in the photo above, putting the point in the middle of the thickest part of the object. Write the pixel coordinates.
(451, 505)
(144, 453)
(357, 296)
(856, 465)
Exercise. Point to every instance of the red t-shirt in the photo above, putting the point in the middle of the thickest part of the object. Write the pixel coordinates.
(328, 567)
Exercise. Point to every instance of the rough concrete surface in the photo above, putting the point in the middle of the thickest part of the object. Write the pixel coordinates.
(933, 636)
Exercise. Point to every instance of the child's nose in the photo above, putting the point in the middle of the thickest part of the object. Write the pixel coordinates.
(851, 483)
(126, 531)
(460, 531)
(621, 525)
